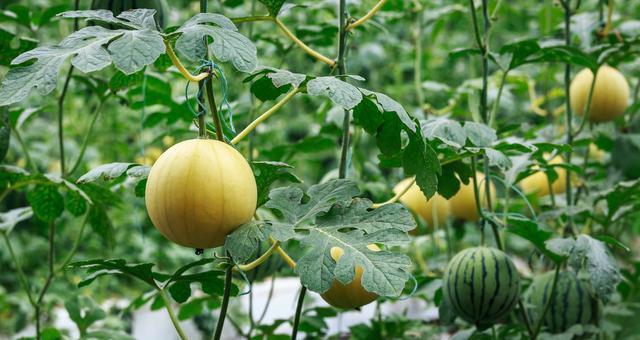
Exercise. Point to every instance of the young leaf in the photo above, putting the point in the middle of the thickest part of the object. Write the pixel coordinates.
(529, 230)
(228, 44)
(46, 201)
(100, 267)
(114, 170)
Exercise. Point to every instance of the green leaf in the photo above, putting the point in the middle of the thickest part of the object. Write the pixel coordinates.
(321, 197)
(390, 105)
(273, 6)
(420, 160)
(130, 51)
(340, 92)
(245, 241)
(328, 216)
(529, 230)
(9, 219)
(267, 173)
(367, 115)
(101, 224)
(446, 130)
(121, 81)
(111, 171)
(479, 134)
(595, 258)
(83, 311)
(76, 204)
(101, 267)
(46, 201)
(136, 49)
(228, 44)
(265, 90)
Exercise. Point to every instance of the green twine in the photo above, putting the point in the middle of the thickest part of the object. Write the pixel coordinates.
(224, 89)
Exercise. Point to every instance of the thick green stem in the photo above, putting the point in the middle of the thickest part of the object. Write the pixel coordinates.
(214, 111)
(296, 320)
(225, 299)
(342, 70)
(569, 113)
(172, 314)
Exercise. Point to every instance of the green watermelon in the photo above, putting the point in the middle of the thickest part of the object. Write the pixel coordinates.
(571, 304)
(481, 285)
(119, 6)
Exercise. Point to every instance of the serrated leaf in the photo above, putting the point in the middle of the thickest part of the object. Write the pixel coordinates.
(479, 134)
(283, 77)
(330, 217)
(75, 203)
(497, 158)
(340, 92)
(136, 49)
(446, 130)
(390, 105)
(106, 172)
(100, 267)
(267, 173)
(421, 161)
(228, 44)
(101, 224)
(529, 230)
(595, 258)
(46, 201)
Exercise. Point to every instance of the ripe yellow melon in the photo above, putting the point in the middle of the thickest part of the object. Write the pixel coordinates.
(538, 183)
(610, 94)
(199, 191)
(417, 202)
(463, 204)
(352, 295)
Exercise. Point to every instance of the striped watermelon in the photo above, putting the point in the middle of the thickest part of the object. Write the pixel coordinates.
(571, 304)
(481, 285)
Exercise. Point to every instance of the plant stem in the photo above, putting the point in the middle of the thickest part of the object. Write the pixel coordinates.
(63, 95)
(225, 299)
(176, 62)
(264, 116)
(496, 103)
(568, 112)
(547, 304)
(252, 18)
(172, 314)
(417, 77)
(76, 245)
(342, 70)
(587, 109)
(85, 141)
(214, 111)
(260, 260)
(52, 272)
(25, 150)
(296, 320)
(302, 45)
(284, 255)
(21, 276)
(397, 196)
(367, 16)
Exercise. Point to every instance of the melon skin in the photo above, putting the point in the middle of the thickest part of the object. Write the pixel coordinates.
(463, 204)
(437, 207)
(610, 94)
(481, 285)
(351, 295)
(199, 191)
(571, 304)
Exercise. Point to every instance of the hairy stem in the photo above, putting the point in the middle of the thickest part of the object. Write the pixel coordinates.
(176, 62)
(172, 314)
(264, 116)
(377, 7)
(317, 55)
(296, 320)
(225, 300)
